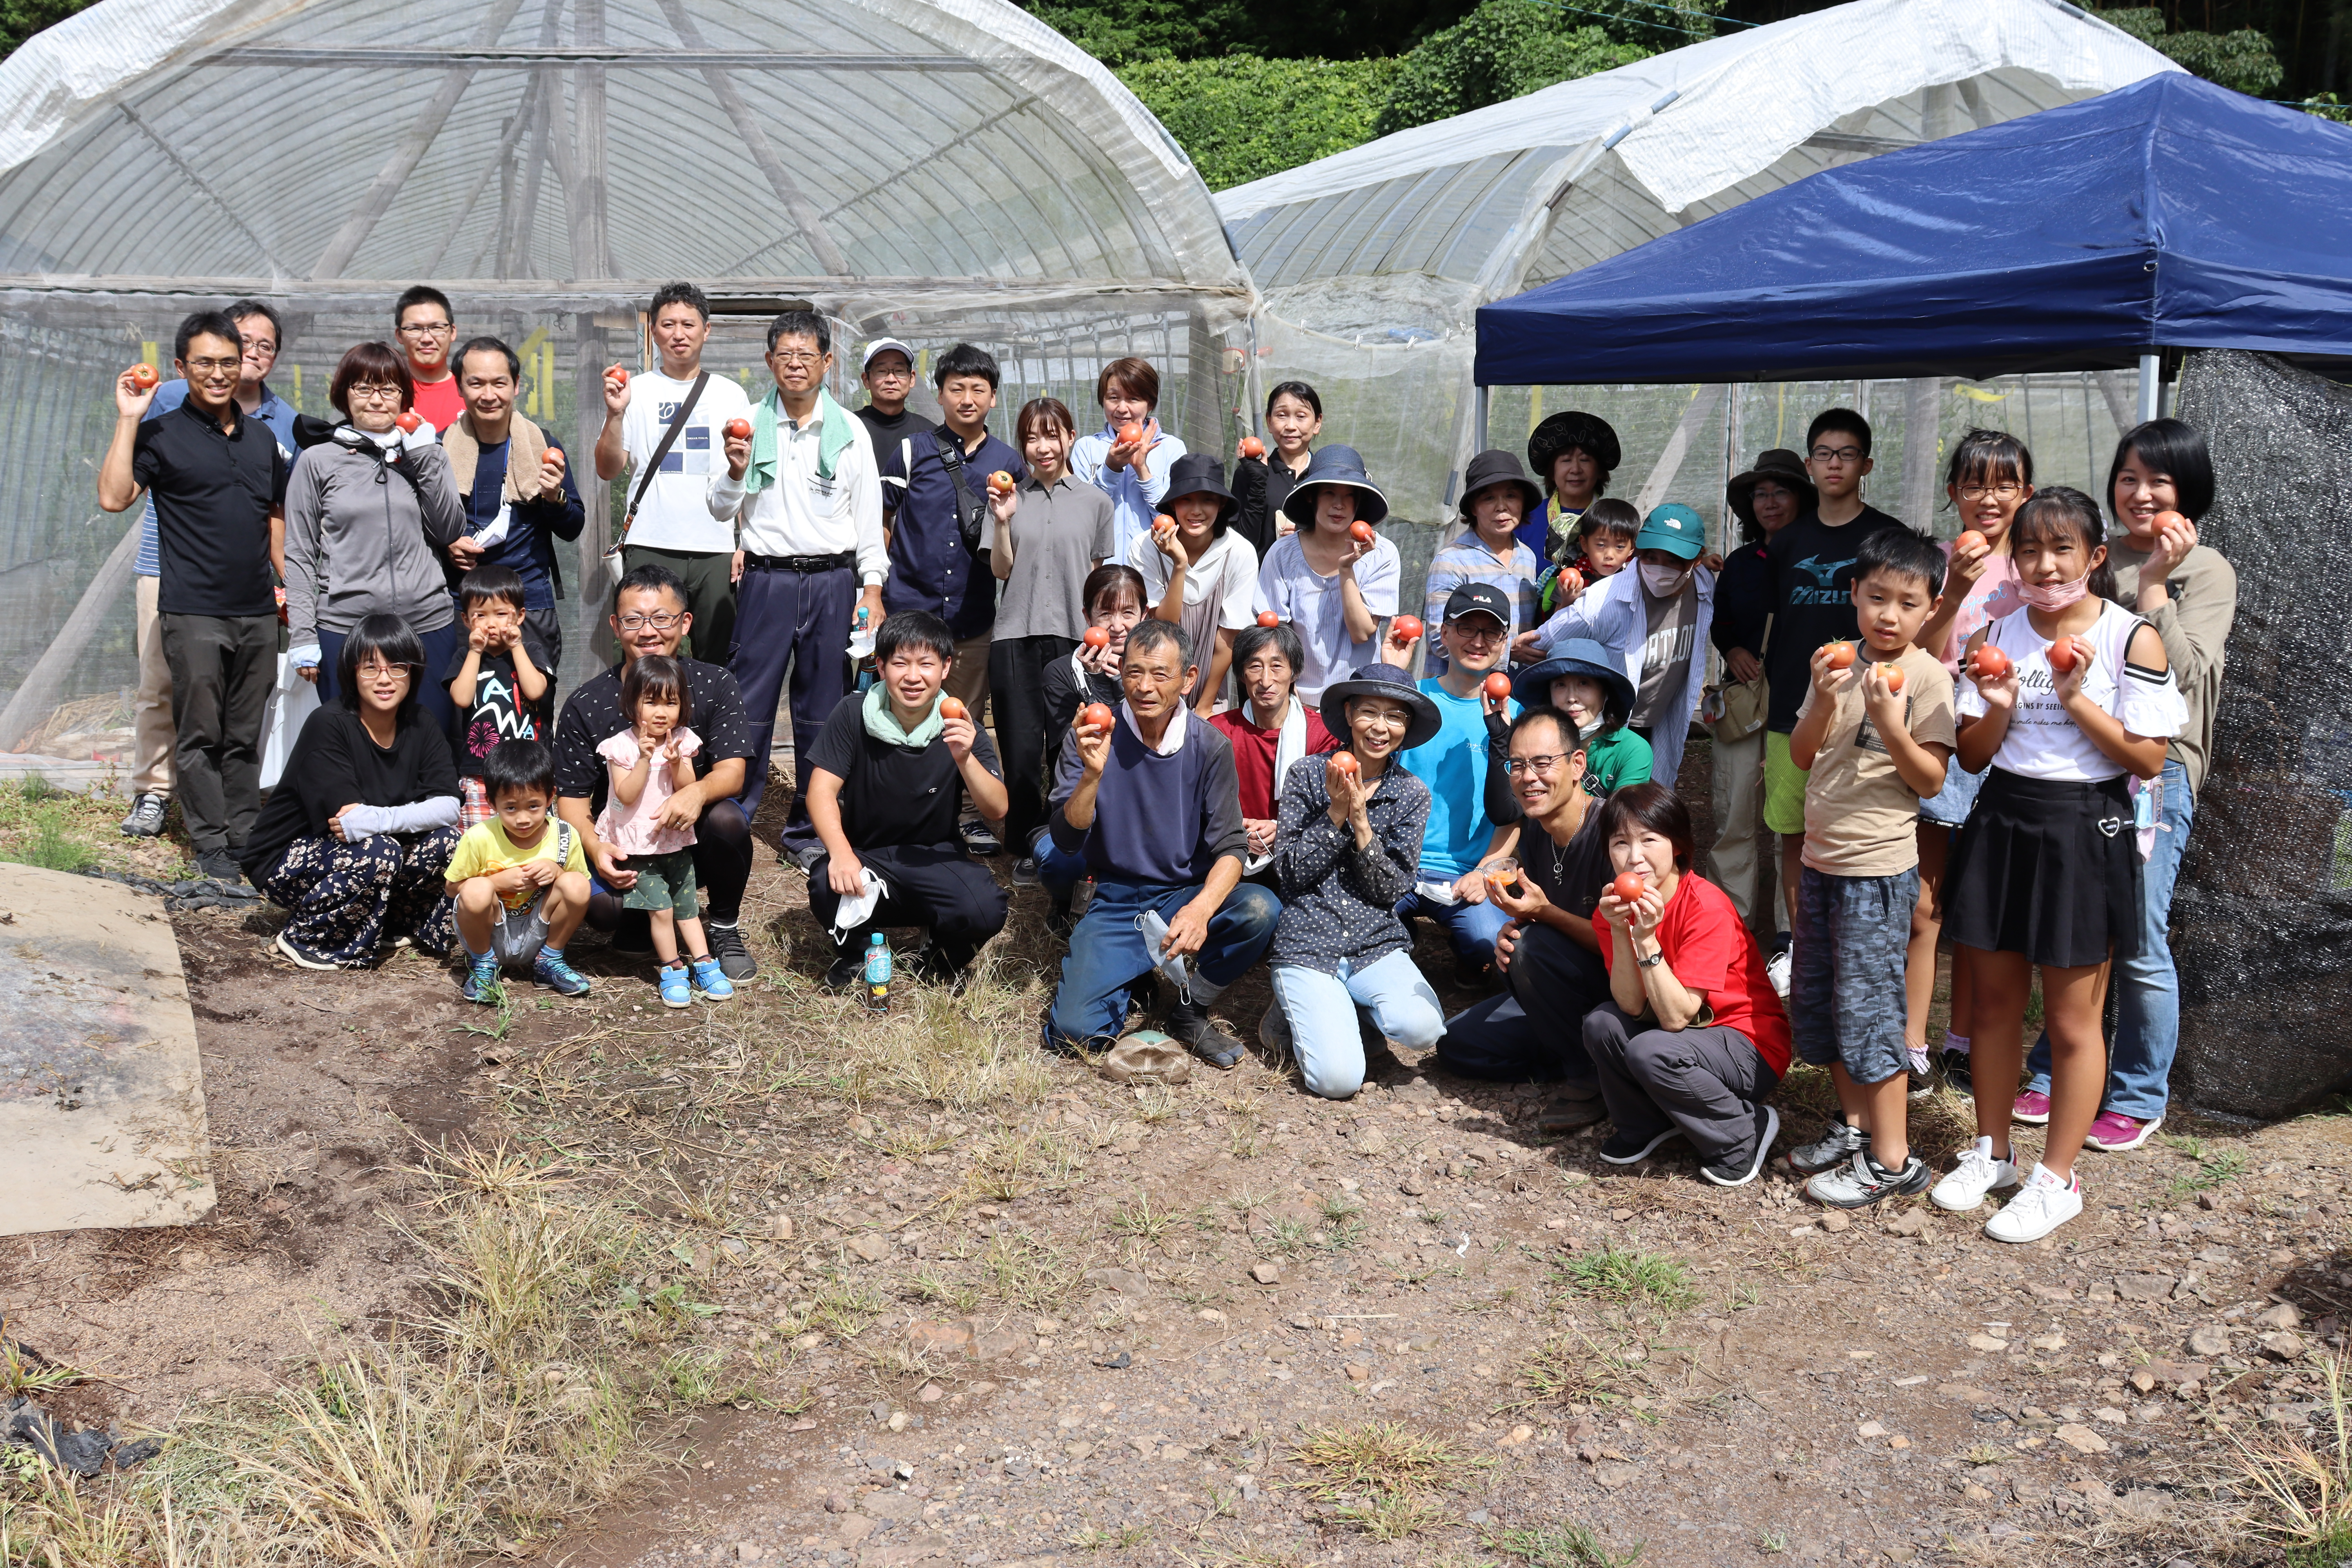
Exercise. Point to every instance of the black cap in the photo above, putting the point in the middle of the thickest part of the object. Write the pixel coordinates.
(1472, 597)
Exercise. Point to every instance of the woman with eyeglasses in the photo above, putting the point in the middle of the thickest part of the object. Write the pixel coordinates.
(355, 837)
(369, 511)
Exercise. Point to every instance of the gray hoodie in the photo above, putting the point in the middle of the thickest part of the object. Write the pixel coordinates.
(360, 538)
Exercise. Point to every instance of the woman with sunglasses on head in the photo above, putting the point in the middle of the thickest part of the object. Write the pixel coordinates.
(369, 511)
(355, 837)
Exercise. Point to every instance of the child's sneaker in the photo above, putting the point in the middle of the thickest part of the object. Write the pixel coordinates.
(550, 971)
(1954, 1067)
(2030, 1107)
(1840, 1142)
(676, 985)
(2114, 1131)
(482, 983)
(710, 981)
(2045, 1204)
(1977, 1174)
(1863, 1180)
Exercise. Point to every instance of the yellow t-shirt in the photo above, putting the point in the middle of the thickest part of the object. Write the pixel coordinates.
(486, 850)
(1860, 818)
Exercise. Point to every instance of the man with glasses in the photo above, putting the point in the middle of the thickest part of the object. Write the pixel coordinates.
(1812, 603)
(650, 616)
(810, 501)
(218, 478)
(150, 779)
(887, 373)
(673, 520)
(1460, 839)
(428, 328)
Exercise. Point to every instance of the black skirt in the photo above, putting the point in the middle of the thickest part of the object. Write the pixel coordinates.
(2050, 869)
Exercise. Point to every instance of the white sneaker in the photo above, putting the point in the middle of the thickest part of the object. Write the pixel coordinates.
(2045, 1204)
(1977, 1174)
(1775, 970)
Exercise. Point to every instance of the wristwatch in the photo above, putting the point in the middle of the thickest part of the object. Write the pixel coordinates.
(1654, 959)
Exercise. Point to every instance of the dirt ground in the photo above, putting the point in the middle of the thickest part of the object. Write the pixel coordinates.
(1040, 1317)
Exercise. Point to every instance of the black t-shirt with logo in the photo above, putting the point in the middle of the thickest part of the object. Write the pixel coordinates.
(500, 711)
(1812, 601)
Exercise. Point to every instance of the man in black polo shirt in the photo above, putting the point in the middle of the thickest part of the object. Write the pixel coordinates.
(649, 616)
(887, 778)
(219, 483)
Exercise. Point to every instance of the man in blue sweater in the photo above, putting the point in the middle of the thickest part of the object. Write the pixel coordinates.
(1151, 801)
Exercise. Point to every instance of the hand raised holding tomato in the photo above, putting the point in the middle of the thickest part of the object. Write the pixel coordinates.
(1882, 696)
(1343, 780)
(1995, 676)
(1833, 667)
(1092, 736)
(2176, 536)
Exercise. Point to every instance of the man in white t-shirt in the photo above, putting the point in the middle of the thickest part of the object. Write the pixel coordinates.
(677, 523)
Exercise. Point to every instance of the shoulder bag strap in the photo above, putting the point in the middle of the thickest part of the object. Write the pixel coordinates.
(661, 449)
(969, 509)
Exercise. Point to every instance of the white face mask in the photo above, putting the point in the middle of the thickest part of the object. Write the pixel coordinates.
(1664, 582)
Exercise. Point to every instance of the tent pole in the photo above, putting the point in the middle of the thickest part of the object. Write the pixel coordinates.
(2151, 385)
(1478, 410)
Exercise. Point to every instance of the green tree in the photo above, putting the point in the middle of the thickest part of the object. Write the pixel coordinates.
(20, 19)
(2242, 61)
(1241, 118)
(1506, 50)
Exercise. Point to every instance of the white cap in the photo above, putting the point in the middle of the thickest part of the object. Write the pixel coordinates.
(883, 345)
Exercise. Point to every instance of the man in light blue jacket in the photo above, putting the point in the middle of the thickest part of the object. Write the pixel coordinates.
(1654, 616)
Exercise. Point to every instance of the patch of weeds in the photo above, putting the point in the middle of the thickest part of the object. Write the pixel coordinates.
(1574, 1368)
(1141, 1224)
(843, 1308)
(1570, 1545)
(1095, 1538)
(698, 1379)
(2298, 1493)
(43, 825)
(1391, 1516)
(501, 1002)
(1618, 1274)
(1289, 1237)
(1025, 1271)
(1154, 1103)
(2213, 1166)
(1773, 1542)
(1012, 1164)
(962, 1295)
(1985, 1453)
(24, 1371)
(1339, 1208)
(656, 1316)
(1495, 1303)
(1379, 1457)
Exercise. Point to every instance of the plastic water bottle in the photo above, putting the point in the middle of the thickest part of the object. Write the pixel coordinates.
(861, 636)
(878, 973)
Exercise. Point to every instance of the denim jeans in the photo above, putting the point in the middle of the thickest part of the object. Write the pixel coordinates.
(1059, 872)
(1471, 928)
(1322, 1012)
(2148, 990)
(1106, 955)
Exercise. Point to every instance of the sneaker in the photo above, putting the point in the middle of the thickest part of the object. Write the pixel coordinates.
(1744, 1172)
(296, 955)
(1775, 970)
(1977, 1174)
(2114, 1132)
(727, 947)
(2030, 1107)
(1025, 871)
(800, 857)
(550, 970)
(1954, 1066)
(709, 980)
(146, 819)
(483, 984)
(221, 867)
(2045, 1204)
(1624, 1148)
(1863, 1180)
(1190, 1023)
(979, 839)
(1472, 973)
(1576, 1104)
(1838, 1142)
(676, 985)
(1274, 1029)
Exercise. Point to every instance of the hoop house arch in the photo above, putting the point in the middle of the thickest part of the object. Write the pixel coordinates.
(933, 169)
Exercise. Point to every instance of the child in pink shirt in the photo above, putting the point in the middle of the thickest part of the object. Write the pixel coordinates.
(647, 763)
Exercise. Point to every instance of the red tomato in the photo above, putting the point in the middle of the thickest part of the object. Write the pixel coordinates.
(616, 373)
(1970, 539)
(1405, 628)
(1987, 663)
(1130, 434)
(1001, 482)
(1253, 447)
(2165, 519)
(144, 376)
(1628, 887)
(2066, 653)
(1096, 638)
(1163, 522)
(1097, 715)
(1841, 655)
(1894, 676)
(953, 707)
(1345, 762)
(1499, 686)
(1361, 533)
(408, 421)
(1268, 618)
(739, 429)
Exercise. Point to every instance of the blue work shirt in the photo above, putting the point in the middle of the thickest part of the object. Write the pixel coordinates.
(931, 568)
(277, 415)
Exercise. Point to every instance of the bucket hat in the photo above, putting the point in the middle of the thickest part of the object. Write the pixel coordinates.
(1200, 474)
(1496, 467)
(1335, 466)
(1381, 680)
(1578, 656)
(1782, 467)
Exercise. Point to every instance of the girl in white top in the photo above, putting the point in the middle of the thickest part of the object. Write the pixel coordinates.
(2067, 696)
(1333, 585)
(1199, 571)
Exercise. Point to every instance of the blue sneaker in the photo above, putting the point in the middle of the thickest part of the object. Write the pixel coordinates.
(550, 971)
(711, 981)
(676, 990)
(483, 984)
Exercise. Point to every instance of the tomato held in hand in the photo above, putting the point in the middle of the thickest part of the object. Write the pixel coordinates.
(2165, 519)
(1499, 686)
(1628, 887)
(1097, 715)
(2066, 653)
(1894, 676)
(1970, 539)
(1989, 663)
(1253, 447)
(1268, 618)
(1841, 655)
(1096, 638)
(1130, 434)
(144, 376)
(616, 373)
(739, 429)
(408, 421)
(1361, 533)
(1345, 762)
(1000, 483)
(953, 707)
(1406, 628)
(1163, 524)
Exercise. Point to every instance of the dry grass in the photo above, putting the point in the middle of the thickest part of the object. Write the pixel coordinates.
(2298, 1494)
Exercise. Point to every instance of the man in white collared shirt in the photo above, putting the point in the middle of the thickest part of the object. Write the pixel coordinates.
(810, 554)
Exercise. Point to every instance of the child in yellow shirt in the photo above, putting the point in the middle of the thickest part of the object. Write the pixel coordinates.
(520, 879)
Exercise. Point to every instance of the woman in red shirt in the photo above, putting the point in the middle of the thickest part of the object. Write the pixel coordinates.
(1692, 1037)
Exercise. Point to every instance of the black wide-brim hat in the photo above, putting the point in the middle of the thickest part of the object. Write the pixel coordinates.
(1335, 466)
(1201, 474)
(1779, 463)
(1381, 680)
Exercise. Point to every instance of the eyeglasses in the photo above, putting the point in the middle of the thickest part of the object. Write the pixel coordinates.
(373, 392)
(262, 346)
(1999, 493)
(1542, 762)
(1469, 632)
(207, 366)
(382, 670)
(659, 622)
(1837, 454)
(796, 356)
(429, 330)
(892, 374)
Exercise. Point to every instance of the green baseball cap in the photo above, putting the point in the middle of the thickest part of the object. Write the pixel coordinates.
(1673, 528)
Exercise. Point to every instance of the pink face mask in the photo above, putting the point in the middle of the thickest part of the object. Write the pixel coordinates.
(2056, 595)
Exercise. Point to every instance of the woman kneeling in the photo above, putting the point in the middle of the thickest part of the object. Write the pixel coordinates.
(1692, 1037)
(1345, 845)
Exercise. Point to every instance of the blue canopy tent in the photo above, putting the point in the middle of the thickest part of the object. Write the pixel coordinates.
(2170, 214)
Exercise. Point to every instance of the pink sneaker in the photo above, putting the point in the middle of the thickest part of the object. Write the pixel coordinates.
(2114, 1131)
(2032, 1108)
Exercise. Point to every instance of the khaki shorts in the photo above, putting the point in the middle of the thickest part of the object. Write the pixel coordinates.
(1784, 786)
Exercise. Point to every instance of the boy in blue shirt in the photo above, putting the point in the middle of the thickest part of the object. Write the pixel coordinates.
(1460, 839)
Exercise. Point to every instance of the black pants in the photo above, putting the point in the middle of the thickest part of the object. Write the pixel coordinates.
(722, 867)
(548, 626)
(1707, 1081)
(1016, 683)
(1534, 1032)
(709, 579)
(801, 620)
(223, 669)
(938, 886)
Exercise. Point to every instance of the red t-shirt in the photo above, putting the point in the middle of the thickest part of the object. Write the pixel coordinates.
(438, 403)
(1711, 953)
(1254, 753)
